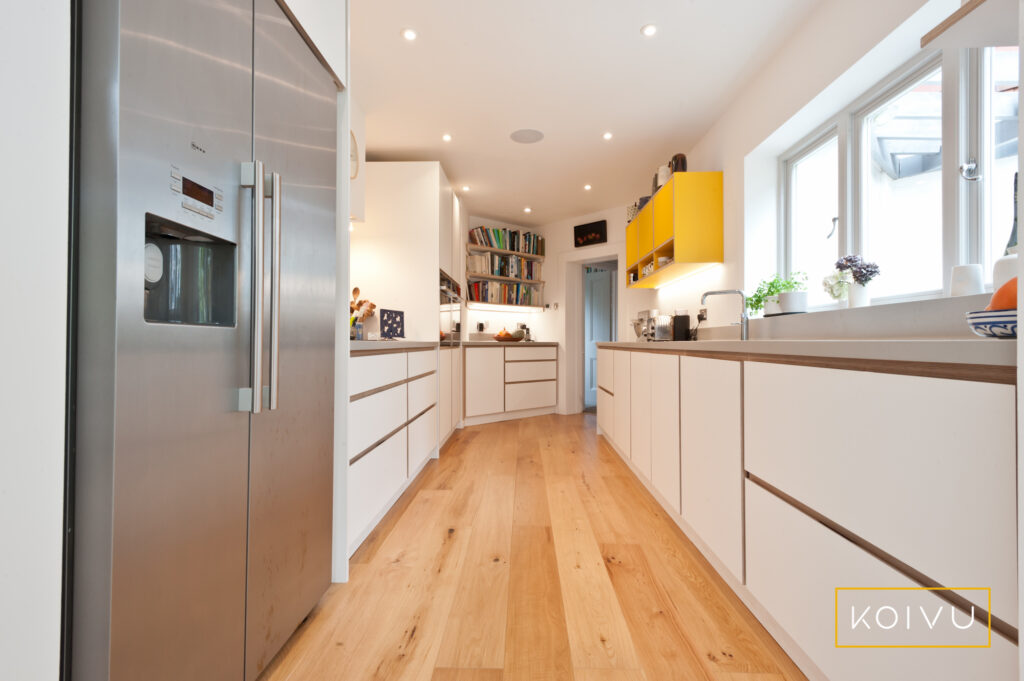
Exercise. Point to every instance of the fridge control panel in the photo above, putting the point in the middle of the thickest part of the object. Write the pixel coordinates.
(196, 197)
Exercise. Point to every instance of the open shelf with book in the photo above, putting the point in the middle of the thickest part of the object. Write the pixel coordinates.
(503, 267)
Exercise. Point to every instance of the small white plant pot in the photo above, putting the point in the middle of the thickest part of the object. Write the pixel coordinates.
(771, 306)
(859, 296)
(793, 301)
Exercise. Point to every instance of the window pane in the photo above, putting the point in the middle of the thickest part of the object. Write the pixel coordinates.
(1001, 151)
(814, 203)
(901, 190)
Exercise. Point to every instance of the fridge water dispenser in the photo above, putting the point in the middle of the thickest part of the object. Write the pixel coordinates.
(189, 275)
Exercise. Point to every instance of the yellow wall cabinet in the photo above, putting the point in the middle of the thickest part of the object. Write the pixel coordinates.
(678, 232)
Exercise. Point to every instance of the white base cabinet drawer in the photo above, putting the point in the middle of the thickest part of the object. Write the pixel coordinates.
(372, 482)
(422, 362)
(373, 371)
(485, 381)
(422, 439)
(373, 417)
(521, 354)
(422, 394)
(530, 371)
(520, 396)
(794, 565)
(711, 456)
(605, 370)
(923, 468)
(605, 412)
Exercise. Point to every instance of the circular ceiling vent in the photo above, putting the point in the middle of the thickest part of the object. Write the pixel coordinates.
(527, 136)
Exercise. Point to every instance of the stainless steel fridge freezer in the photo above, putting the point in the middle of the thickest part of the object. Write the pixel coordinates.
(202, 515)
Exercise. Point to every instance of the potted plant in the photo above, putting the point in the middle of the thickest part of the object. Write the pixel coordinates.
(850, 279)
(780, 295)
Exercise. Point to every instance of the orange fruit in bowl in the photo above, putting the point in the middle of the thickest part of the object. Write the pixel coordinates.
(1005, 298)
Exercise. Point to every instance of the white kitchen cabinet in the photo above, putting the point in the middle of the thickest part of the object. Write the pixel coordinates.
(640, 412)
(794, 565)
(531, 354)
(623, 380)
(534, 395)
(422, 394)
(485, 381)
(516, 372)
(422, 439)
(372, 418)
(422, 362)
(711, 463)
(923, 468)
(665, 428)
(605, 412)
(445, 404)
(373, 371)
(373, 483)
(457, 387)
(605, 369)
(447, 208)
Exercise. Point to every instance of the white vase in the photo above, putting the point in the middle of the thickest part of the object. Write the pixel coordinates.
(771, 306)
(793, 301)
(1004, 270)
(858, 296)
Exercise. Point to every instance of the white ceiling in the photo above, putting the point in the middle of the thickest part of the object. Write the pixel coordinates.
(573, 69)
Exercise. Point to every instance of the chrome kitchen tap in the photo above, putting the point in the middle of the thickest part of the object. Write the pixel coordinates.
(744, 320)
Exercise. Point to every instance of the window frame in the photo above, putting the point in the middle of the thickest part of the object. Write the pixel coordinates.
(962, 222)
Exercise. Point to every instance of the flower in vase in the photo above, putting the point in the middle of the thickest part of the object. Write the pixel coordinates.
(837, 284)
(862, 272)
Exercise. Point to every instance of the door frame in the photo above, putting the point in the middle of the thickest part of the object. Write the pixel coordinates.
(614, 302)
(570, 380)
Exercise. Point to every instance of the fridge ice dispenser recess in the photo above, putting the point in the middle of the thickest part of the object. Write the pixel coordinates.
(189, 275)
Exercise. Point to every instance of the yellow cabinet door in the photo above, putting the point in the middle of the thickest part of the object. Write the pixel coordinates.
(646, 235)
(698, 217)
(663, 216)
(632, 231)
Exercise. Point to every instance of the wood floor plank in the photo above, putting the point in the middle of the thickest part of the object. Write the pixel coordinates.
(664, 651)
(610, 675)
(536, 640)
(598, 634)
(441, 674)
(494, 559)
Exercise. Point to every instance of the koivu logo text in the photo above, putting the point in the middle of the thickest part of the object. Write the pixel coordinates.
(912, 617)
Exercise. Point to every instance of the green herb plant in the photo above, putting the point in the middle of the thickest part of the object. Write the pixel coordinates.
(769, 288)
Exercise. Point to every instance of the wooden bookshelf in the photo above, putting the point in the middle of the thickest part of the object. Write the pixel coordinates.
(476, 248)
(508, 280)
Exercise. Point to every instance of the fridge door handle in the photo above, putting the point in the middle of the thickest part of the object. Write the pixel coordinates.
(252, 177)
(276, 199)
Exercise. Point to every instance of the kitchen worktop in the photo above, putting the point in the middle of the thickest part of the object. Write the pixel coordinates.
(491, 343)
(993, 352)
(355, 346)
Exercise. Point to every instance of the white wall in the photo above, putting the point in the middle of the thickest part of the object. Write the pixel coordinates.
(793, 92)
(394, 256)
(564, 276)
(35, 60)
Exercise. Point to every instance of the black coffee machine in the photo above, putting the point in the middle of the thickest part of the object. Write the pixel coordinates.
(681, 326)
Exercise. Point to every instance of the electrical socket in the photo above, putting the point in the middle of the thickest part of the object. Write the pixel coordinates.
(702, 315)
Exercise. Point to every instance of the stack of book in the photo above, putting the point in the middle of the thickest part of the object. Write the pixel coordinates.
(507, 239)
(503, 294)
(497, 265)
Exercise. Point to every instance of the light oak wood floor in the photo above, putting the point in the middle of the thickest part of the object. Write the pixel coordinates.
(530, 552)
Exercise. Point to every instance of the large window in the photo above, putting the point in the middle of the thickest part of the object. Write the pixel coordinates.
(873, 181)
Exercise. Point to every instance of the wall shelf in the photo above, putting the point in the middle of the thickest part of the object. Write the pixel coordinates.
(978, 23)
(510, 280)
(476, 248)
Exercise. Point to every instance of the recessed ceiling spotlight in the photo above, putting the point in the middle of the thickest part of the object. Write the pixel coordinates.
(465, 187)
(446, 137)
(527, 136)
(586, 187)
(649, 30)
(607, 135)
(409, 34)
(527, 210)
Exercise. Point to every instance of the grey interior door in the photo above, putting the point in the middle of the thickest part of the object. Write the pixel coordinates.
(163, 457)
(291, 454)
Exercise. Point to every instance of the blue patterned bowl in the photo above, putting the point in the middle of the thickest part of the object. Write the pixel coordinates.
(993, 323)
